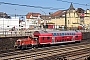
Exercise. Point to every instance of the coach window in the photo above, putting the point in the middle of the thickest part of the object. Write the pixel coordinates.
(48, 38)
(70, 33)
(76, 36)
(42, 38)
(65, 33)
(54, 34)
(60, 34)
(57, 34)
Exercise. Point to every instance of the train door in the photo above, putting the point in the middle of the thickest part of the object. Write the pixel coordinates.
(72, 38)
(53, 38)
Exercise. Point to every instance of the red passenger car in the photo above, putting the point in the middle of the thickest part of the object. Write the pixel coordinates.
(54, 37)
(49, 37)
(44, 37)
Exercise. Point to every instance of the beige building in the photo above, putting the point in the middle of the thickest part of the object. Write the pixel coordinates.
(74, 17)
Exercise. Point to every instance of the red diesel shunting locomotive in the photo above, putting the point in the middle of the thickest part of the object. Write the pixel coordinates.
(48, 37)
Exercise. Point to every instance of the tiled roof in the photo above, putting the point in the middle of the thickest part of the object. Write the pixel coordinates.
(58, 13)
(4, 15)
(45, 17)
(32, 14)
(80, 10)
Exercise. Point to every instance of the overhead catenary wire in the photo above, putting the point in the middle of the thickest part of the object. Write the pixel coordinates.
(51, 8)
(73, 2)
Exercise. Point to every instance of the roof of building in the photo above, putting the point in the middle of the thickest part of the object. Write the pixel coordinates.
(80, 10)
(45, 17)
(32, 14)
(4, 15)
(58, 13)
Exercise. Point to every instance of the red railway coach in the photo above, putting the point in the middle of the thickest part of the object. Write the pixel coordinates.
(49, 37)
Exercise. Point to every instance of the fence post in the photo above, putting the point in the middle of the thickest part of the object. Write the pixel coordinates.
(11, 33)
(16, 33)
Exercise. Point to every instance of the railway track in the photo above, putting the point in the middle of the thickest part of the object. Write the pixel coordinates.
(60, 45)
(73, 55)
(43, 53)
(8, 52)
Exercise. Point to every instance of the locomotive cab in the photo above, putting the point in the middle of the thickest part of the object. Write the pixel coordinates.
(26, 43)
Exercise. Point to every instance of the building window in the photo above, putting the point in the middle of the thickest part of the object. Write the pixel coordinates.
(7, 26)
(69, 14)
(74, 14)
(27, 20)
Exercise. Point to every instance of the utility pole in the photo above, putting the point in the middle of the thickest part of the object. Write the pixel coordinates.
(15, 13)
(44, 20)
(65, 21)
(3, 22)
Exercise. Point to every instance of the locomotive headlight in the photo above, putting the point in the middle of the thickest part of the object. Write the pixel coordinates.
(22, 43)
(18, 42)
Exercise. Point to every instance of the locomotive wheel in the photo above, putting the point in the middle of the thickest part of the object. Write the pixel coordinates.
(23, 47)
(36, 46)
(78, 41)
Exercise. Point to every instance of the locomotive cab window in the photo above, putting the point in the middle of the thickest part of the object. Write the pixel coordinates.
(35, 38)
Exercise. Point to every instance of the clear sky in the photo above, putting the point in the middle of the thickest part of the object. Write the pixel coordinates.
(9, 9)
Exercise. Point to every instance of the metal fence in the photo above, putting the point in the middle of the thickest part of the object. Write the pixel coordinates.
(27, 32)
